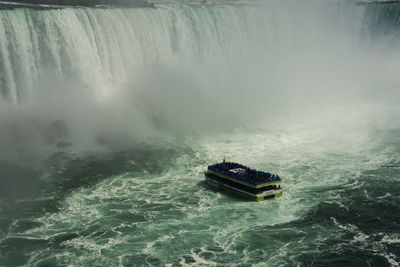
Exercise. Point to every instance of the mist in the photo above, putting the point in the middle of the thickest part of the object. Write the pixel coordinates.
(154, 73)
(110, 116)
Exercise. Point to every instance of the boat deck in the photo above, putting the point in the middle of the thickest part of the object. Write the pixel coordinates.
(243, 181)
(244, 174)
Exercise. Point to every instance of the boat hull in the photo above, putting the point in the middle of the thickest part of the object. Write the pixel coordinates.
(240, 190)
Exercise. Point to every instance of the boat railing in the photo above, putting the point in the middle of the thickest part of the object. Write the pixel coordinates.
(251, 175)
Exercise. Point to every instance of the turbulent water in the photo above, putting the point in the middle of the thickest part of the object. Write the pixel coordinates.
(109, 118)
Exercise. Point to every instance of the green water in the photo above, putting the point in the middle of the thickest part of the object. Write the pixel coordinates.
(151, 207)
(109, 118)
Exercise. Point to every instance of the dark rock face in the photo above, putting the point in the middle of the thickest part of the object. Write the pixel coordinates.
(57, 134)
(79, 3)
(125, 3)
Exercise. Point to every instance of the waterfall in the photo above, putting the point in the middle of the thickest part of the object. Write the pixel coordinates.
(183, 66)
(102, 48)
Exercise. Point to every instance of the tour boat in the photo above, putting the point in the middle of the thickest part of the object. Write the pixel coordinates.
(243, 181)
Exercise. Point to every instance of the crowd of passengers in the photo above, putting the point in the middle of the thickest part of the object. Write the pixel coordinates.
(250, 173)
